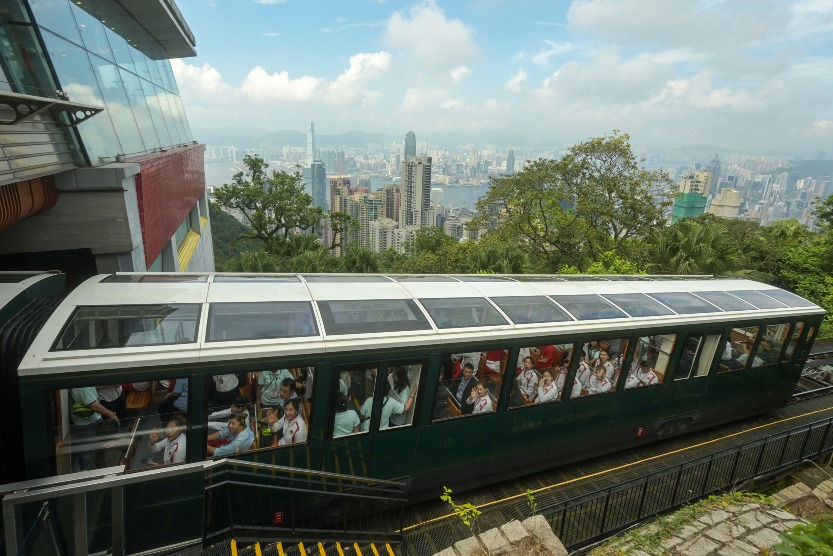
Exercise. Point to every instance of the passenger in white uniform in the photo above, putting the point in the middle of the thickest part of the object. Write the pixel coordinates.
(547, 390)
(599, 383)
(480, 399)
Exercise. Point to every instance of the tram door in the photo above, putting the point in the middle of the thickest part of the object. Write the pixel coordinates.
(354, 392)
(697, 357)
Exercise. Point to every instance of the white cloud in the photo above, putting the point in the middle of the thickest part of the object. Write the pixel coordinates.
(458, 74)
(271, 34)
(433, 41)
(270, 1)
(825, 126)
(542, 58)
(202, 79)
(363, 67)
(517, 81)
(262, 85)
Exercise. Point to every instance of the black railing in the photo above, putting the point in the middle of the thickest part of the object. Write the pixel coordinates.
(584, 519)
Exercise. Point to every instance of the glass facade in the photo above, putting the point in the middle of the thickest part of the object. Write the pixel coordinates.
(94, 65)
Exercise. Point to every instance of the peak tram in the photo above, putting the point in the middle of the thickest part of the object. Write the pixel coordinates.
(436, 380)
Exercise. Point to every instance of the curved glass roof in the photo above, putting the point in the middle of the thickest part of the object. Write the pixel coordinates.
(126, 310)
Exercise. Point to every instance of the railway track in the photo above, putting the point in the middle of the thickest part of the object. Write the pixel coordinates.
(816, 377)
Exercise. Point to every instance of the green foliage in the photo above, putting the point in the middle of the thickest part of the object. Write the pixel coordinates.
(360, 260)
(498, 258)
(255, 261)
(823, 212)
(569, 211)
(227, 238)
(467, 512)
(691, 246)
(812, 539)
(431, 240)
(610, 263)
(314, 261)
(274, 204)
(530, 502)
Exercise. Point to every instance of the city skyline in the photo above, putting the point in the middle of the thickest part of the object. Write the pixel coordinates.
(729, 74)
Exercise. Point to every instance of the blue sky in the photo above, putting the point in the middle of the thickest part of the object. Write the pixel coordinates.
(751, 75)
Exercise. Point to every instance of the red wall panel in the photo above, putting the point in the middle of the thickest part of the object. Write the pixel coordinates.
(168, 186)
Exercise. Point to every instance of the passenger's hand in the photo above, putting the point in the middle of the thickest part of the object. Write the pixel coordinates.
(154, 437)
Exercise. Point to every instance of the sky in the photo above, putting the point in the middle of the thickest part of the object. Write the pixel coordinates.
(738, 74)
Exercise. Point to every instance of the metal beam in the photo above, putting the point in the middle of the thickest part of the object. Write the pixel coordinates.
(24, 107)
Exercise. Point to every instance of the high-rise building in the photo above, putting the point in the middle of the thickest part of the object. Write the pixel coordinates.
(382, 232)
(510, 162)
(311, 154)
(410, 145)
(714, 170)
(726, 204)
(692, 196)
(318, 184)
(416, 192)
(101, 170)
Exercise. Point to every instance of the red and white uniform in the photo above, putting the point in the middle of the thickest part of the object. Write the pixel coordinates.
(546, 356)
(547, 393)
(174, 450)
(294, 431)
(646, 378)
(597, 386)
(559, 381)
(528, 383)
(584, 373)
(576, 392)
(610, 370)
(482, 404)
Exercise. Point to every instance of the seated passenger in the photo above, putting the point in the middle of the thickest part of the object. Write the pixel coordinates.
(545, 356)
(218, 420)
(492, 361)
(237, 436)
(346, 420)
(547, 390)
(224, 389)
(576, 391)
(599, 383)
(391, 408)
(561, 375)
(592, 349)
(480, 400)
(175, 400)
(172, 445)
(459, 360)
(767, 352)
(743, 358)
(401, 392)
(461, 386)
(269, 386)
(527, 381)
(644, 376)
(344, 383)
(291, 428)
(523, 353)
(604, 361)
(584, 371)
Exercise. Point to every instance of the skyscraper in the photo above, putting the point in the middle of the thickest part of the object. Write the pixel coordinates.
(416, 192)
(510, 162)
(692, 196)
(714, 170)
(318, 184)
(410, 145)
(311, 154)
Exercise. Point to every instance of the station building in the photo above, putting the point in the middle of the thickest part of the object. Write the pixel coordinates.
(99, 171)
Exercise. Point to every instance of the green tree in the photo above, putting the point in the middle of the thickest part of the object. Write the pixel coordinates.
(498, 258)
(824, 212)
(689, 247)
(610, 263)
(273, 203)
(360, 260)
(318, 260)
(569, 211)
(255, 261)
(342, 226)
(431, 240)
(228, 238)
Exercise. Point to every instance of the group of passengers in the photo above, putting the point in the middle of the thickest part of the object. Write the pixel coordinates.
(738, 357)
(399, 398)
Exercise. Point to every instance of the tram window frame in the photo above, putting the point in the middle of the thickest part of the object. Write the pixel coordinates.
(519, 396)
(116, 443)
(446, 312)
(657, 367)
(361, 310)
(735, 345)
(369, 373)
(593, 360)
(254, 314)
(410, 413)
(268, 422)
(795, 335)
(771, 358)
(446, 405)
(703, 346)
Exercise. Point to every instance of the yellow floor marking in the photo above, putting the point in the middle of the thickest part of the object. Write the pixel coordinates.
(301, 548)
(233, 547)
(620, 467)
(390, 550)
(340, 551)
(258, 552)
(280, 550)
(373, 548)
(321, 549)
(358, 550)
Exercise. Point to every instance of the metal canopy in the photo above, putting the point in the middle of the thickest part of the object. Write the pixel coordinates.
(16, 108)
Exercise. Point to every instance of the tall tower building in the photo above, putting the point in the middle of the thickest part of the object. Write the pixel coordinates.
(692, 196)
(311, 154)
(416, 192)
(510, 162)
(714, 169)
(318, 184)
(410, 145)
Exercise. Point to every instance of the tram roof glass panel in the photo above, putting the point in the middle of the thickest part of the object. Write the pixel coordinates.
(684, 303)
(531, 309)
(638, 305)
(258, 321)
(462, 312)
(484, 278)
(110, 326)
(243, 278)
(726, 301)
(759, 300)
(426, 278)
(539, 279)
(788, 298)
(588, 307)
(325, 279)
(367, 316)
(154, 278)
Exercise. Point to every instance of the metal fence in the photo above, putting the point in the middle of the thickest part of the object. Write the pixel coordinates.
(582, 520)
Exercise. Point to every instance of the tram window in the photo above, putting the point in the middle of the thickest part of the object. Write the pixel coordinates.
(531, 309)
(797, 329)
(251, 321)
(775, 336)
(650, 360)
(697, 356)
(108, 326)
(371, 315)
(588, 307)
(540, 374)
(600, 366)
(738, 350)
(354, 400)
(137, 425)
(638, 305)
(401, 388)
(469, 383)
(684, 303)
(462, 312)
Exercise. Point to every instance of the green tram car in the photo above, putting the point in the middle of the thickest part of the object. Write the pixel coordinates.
(379, 365)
